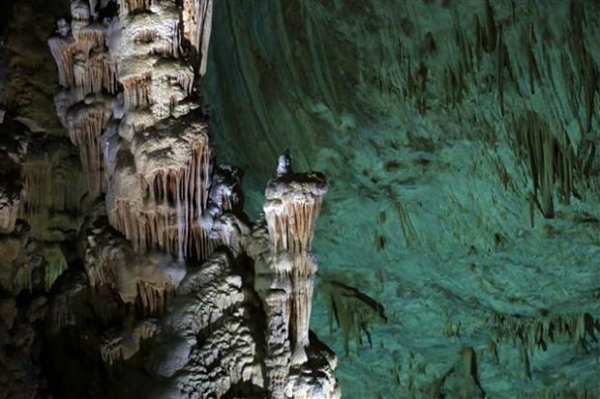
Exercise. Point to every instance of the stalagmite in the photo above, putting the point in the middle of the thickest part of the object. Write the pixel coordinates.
(276, 291)
(293, 204)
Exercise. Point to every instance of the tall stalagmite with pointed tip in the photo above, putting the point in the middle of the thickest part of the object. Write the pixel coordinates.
(291, 210)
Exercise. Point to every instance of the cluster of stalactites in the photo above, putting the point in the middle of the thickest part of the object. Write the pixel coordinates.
(86, 124)
(80, 52)
(148, 45)
(170, 215)
(85, 67)
(136, 91)
(50, 260)
(148, 282)
(163, 228)
(292, 222)
(48, 188)
(293, 204)
(129, 6)
(153, 298)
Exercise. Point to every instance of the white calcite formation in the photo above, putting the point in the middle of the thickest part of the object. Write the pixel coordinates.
(88, 76)
(285, 270)
(158, 194)
(125, 68)
(293, 204)
(209, 342)
(171, 258)
(197, 25)
(127, 101)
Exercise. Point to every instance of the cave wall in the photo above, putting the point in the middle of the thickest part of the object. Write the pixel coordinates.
(460, 140)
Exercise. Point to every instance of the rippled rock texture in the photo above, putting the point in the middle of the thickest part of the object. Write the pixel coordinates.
(459, 138)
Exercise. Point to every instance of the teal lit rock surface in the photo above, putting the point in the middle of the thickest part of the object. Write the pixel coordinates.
(459, 141)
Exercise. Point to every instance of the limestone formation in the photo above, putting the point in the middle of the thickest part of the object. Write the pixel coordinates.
(175, 286)
(147, 281)
(293, 204)
(285, 270)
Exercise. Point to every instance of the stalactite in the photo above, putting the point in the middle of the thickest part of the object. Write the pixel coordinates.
(491, 37)
(353, 311)
(137, 91)
(100, 273)
(86, 124)
(153, 299)
(50, 261)
(85, 67)
(37, 177)
(303, 282)
(9, 211)
(533, 334)
(170, 214)
(549, 160)
(22, 280)
(92, 36)
(63, 51)
(120, 344)
(55, 265)
(69, 187)
(197, 25)
(500, 72)
(291, 215)
(129, 6)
